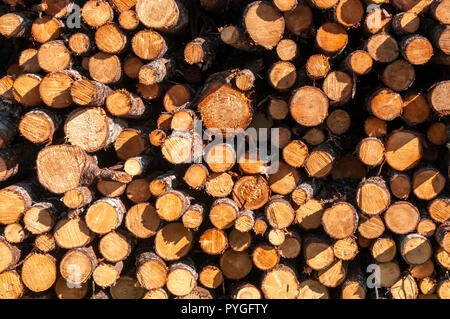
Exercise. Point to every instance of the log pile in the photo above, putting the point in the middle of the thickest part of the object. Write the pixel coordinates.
(110, 187)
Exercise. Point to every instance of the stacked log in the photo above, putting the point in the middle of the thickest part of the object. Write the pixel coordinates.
(108, 180)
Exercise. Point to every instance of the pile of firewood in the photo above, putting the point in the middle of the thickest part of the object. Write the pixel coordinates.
(110, 187)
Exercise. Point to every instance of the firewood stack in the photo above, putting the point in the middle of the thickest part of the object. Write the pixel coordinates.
(109, 188)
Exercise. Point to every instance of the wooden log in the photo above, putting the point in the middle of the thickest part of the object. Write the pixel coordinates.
(318, 252)
(54, 56)
(371, 151)
(265, 257)
(89, 93)
(346, 248)
(317, 66)
(105, 68)
(142, 221)
(77, 265)
(236, 38)
(148, 45)
(220, 157)
(437, 97)
(267, 31)
(131, 67)
(399, 75)
(122, 103)
(382, 47)
(320, 161)
(15, 233)
(299, 20)
(200, 50)
(115, 246)
(15, 200)
(193, 217)
(39, 272)
(403, 150)
(62, 291)
(110, 39)
(82, 122)
(10, 255)
(348, 13)
(246, 291)
(158, 293)
(437, 133)
(251, 192)
(275, 282)
(28, 61)
(442, 236)
(405, 22)
(138, 165)
(218, 89)
(415, 249)
(402, 217)
(72, 233)
(331, 38)
(338, 122)
(338, 86)
(131, 142)
(223, 213)
(291, 246)
(79, 43)
(415, 6)
(385, 104)
(127, 287)
(235, 264)
(260, 226)
(171, 16)
(340, 220)
(45, 242)
(138, 190)
(182, 278)
(155, 71)
(309, 106)
(11, 286)
(439, 209)
(213, 241)
(374, 127)
(162, 183)
(41, 217)
(39, 125)
(14, 25)
(287, 50)
(55, 88)
(97, 13)
(244, 221)
(173, 241)
(312, 289)
(26, 89)
(239, 241)
(389, 274)
(282, 75)
(105, 215)
(358, 62)
(370, 227)
(171, 205)
(426, 226)
(128, 20)
(416, 109)
(427, 183)
(122, 5)
(378, 19)
(309, 215)
(196, 176)
(182, 147)
(176, 97)
(405, 288)
(279, 212)
(151, 270)
(45, 29)
(416, 49)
